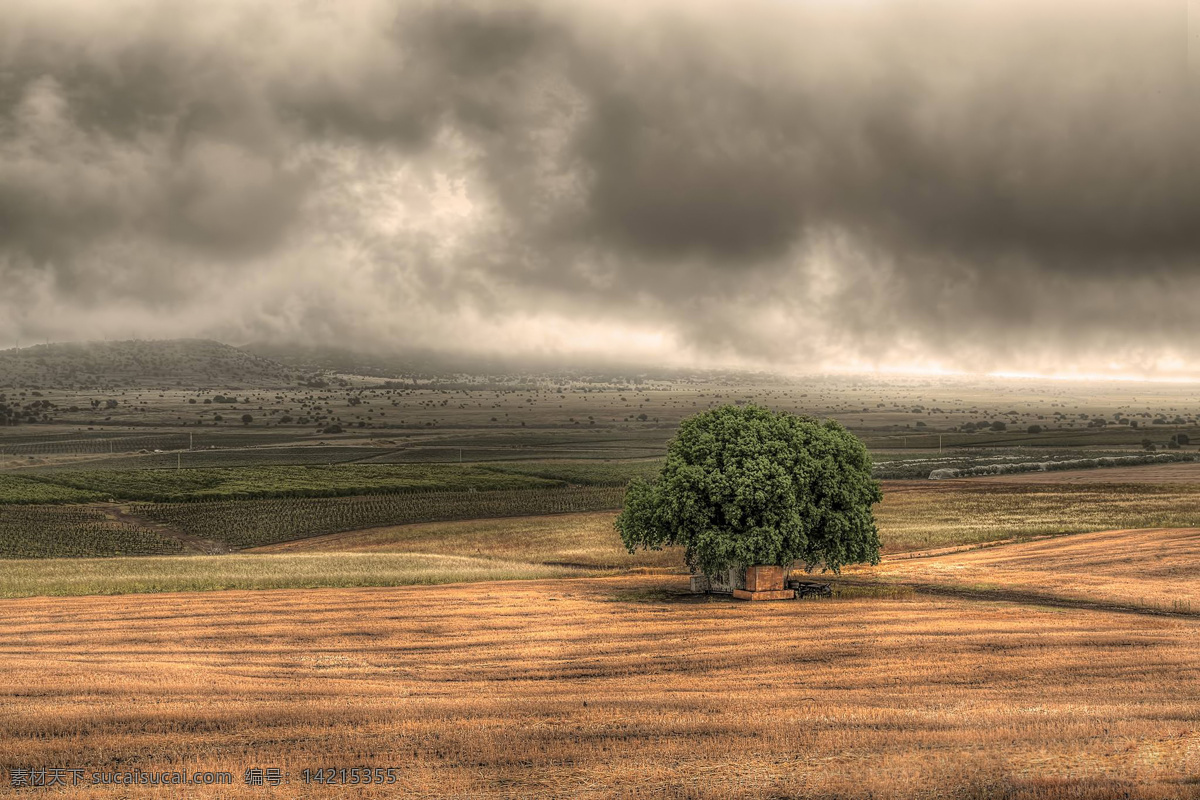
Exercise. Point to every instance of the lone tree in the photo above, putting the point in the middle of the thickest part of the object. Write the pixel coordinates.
(746, 486)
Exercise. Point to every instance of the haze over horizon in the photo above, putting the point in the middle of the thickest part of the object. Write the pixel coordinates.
(772, 184)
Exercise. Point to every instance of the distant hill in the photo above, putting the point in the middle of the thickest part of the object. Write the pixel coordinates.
(325, 358)
(186, 362)
(408, 363)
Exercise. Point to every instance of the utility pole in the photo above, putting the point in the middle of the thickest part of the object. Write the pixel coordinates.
(939, 444)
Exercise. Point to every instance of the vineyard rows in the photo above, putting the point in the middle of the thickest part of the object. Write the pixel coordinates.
(16, 489)
(584, 473)
(73, 531)
(210, 459)
(122, 444)
(450, 454)
(244, 483)
(241, 523)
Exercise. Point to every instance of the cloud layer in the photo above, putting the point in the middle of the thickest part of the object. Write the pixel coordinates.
(774, 182)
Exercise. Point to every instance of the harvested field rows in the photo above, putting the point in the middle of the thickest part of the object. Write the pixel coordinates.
(596, 688)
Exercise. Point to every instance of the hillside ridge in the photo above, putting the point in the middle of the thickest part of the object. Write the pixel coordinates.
(140, 362)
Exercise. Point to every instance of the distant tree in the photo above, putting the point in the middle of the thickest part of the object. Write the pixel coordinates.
(218, 418)
(1183, 438)
(744, 485)
(247, 419)
(1148, 445)
(1034, 429)
(999, 426)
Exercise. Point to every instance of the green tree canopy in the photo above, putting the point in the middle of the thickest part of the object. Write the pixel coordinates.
(746, 485)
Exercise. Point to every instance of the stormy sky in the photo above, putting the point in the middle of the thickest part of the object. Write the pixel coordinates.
(798, 185)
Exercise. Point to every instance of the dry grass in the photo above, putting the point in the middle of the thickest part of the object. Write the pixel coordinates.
(585, 540)
(1153, 569)
(84, 576)
(917, 515)
(566, 689)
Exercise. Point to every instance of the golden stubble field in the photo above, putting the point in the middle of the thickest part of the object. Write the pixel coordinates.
(605, 687)
(1136, 569)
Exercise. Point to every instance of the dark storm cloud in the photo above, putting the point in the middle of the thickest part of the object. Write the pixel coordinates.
(799, 183)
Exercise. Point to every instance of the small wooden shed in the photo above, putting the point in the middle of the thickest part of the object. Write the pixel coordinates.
(757, 582)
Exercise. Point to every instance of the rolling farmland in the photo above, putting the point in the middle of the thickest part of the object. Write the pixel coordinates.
(252, 523)
(426, 609)
(166, 485)
(915, 515)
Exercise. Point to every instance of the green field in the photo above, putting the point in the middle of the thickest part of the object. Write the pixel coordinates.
(287, 481)
(208, 459)
(585, 473)
(16, 489)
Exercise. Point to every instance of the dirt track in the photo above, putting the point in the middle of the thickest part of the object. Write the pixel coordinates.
(193, 543)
